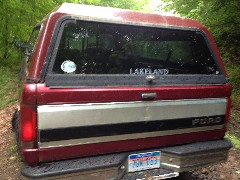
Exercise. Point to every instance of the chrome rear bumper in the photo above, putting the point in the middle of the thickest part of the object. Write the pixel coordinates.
(174, 159)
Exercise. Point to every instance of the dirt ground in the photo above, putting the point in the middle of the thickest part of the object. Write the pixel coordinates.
(10, 161)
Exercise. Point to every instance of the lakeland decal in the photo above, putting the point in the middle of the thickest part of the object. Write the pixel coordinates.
(143, 71)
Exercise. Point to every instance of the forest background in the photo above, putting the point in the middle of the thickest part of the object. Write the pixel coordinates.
(18, 17)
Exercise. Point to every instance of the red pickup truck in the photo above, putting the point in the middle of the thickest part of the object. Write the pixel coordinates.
(110, 94)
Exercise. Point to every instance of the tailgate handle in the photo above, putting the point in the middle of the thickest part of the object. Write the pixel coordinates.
(149, 95)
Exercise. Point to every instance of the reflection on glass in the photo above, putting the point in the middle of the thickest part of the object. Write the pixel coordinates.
(101, 48)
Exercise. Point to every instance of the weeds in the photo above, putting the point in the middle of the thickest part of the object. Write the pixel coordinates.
(234, 74)
(14, 148)
(15, 153)
(8, 86)
(234, 139)
(237, 118)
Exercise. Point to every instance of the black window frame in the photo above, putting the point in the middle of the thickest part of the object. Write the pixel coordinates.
(30, 50)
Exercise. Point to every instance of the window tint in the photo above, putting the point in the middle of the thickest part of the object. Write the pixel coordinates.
(100, 48)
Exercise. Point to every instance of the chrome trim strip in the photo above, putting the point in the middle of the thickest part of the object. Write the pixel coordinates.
(171, 165)
(83, 141)
(74, 115)
(194, 161)
(149, 95)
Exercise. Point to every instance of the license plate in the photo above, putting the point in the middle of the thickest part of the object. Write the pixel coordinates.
(144, 161)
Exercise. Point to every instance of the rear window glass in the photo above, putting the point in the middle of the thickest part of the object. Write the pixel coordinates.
(101, 48)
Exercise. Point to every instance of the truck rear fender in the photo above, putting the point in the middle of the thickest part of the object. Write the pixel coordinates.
(28, 122)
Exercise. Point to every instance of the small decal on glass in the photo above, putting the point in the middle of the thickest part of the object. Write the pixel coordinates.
(68, 66)
(148, 71)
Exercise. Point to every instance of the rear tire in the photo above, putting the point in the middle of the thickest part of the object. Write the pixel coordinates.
(15, 127)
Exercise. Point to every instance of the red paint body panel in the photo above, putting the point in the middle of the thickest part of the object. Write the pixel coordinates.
(52, 154)
(42, 46)
(47, 95)
(28, 96)
(31, 156)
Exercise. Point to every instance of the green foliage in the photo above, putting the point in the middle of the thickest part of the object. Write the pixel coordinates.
(13, 148)
(233, 70)
(222, 17)
(234, 73)
(16, 22)
(18, 17)
(237, 119)
(8, 84)
(234, 139)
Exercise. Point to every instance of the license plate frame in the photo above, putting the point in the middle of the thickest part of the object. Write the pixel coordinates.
(144, 161)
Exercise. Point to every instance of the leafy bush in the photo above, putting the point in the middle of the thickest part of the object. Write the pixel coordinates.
(8, 86)
(234, 74)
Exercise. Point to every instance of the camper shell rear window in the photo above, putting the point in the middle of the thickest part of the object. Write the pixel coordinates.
(108, 52)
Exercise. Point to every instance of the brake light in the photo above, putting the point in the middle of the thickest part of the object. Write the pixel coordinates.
(28, 123)
(28, 132)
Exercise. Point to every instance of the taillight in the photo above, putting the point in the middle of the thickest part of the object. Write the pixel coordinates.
(28, 120)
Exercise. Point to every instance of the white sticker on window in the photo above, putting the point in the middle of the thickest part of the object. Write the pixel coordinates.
(68, 66)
